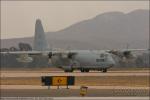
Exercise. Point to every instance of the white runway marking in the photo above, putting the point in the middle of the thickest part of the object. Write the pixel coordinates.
(59, 73)
(64, 87)
(51, 71)
(101, 98)
(74, 98)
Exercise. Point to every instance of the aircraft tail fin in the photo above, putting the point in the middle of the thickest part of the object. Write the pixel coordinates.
(40, 42)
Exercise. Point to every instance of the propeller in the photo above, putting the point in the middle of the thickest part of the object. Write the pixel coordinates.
(71, 55)
(50, 55)
(122, 54)
(128, 54)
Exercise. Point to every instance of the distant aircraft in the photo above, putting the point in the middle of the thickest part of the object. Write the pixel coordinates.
(70, 60)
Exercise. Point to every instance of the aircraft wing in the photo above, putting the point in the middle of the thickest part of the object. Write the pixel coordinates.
(127, 53)
(26, 52)
(64, 54)
(134, 50)
(122, 50)
(25, 56)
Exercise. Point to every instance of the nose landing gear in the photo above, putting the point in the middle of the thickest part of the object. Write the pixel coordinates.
(104, 70)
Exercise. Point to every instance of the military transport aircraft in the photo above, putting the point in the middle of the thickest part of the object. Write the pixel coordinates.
(70, 60)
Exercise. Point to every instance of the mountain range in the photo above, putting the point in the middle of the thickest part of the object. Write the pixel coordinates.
(110, 30)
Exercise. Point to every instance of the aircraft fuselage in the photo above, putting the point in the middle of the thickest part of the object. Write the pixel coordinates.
(85, 61)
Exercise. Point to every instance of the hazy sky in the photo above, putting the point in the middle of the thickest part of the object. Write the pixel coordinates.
(18, 17)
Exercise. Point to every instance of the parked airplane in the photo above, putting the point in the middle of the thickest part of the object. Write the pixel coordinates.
(70, 60)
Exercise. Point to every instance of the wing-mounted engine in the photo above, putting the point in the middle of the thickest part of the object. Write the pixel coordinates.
(24, 58)
(61, 58)
(124, 55)
(128, 55)
(71, 55)
(116, 53)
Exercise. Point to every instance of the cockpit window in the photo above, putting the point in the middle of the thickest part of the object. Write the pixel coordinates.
(100, 60)
(103, 55)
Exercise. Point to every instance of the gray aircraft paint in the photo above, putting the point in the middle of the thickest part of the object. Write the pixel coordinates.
(40, 43)
(82, 58)
(89, 59)
(85, 59)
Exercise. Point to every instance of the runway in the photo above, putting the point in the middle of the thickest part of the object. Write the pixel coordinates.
(74, 93)
(102, 98)
(111, 84)
(75, 98)
(71, 87)
(61, 73)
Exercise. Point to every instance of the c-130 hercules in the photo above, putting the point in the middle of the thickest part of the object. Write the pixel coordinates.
(70, 60)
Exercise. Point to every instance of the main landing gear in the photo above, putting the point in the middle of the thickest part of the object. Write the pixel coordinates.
(84, 70)
(104, 70)
(71, 70)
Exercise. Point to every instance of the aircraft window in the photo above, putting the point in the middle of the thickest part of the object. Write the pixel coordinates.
(106, 55)
(102, 55)
(100, 60)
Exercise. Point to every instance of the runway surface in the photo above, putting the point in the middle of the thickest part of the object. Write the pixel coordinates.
(61, 73)
(103, 98)
(117, 92)
(76, 98)
(74, 93)
(71, 87)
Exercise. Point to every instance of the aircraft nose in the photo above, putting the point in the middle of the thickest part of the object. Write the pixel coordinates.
(112, 63)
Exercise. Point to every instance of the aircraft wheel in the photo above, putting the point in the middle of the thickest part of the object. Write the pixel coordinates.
(82, 70)
(87, 70)
(104, 70)
(69, 70)
(65, 70)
